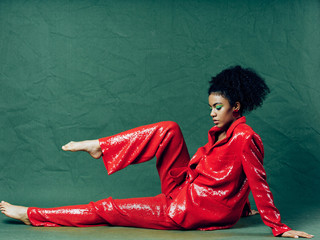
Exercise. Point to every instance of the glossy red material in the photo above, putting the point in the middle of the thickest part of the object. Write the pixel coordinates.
(208, 192)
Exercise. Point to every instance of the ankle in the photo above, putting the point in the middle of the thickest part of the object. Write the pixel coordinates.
(95, 144)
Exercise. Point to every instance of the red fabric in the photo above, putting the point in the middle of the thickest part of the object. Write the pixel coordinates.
(208, 192)
(76, 216)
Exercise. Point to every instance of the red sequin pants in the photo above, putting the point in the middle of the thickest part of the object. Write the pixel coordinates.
(163, 140)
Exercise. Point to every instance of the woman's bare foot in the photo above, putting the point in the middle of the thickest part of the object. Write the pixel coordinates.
(15, 212)
(90, 146)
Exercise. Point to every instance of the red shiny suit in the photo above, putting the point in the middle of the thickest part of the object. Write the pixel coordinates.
(208, 192)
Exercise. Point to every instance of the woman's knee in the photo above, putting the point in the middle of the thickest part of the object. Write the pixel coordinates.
(171, 126)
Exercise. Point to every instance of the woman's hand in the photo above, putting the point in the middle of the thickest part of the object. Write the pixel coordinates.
(253, 212)
(296, 234)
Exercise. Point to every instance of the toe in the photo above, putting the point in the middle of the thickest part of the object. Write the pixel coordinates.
(66, 147)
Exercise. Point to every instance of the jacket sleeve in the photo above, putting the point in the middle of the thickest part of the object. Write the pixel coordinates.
(252, 162)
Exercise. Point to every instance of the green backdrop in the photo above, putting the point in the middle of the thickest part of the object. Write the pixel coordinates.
(76, 70)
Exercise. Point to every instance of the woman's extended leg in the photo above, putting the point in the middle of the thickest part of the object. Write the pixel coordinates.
(146, 212)
(76, 216)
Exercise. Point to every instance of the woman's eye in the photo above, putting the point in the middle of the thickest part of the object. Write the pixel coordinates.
(218, 107)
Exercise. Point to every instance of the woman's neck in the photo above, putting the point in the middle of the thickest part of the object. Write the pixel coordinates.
(220, 135)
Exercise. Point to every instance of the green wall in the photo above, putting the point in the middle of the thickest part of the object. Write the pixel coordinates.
(75, 70)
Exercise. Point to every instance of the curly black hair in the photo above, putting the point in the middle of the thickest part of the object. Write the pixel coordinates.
(240, 85)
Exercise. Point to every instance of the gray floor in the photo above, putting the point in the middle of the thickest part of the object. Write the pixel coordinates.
(305, 219)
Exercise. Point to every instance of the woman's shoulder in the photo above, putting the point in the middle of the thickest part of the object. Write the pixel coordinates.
(245, 131)
(246, 137)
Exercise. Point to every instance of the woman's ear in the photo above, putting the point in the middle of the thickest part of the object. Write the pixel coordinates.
(237, 106)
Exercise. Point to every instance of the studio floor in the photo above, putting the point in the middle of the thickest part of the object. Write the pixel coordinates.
(306, 218)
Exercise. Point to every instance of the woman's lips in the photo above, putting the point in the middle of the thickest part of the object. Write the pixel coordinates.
(215, 121)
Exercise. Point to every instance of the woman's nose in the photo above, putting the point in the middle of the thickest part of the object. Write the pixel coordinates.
(212, 113)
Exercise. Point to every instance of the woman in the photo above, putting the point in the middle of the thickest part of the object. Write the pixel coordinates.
(207, 192)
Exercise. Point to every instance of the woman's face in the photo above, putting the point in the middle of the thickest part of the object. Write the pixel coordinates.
(221, 112)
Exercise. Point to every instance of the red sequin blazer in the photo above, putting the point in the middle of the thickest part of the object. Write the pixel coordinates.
(216, 184)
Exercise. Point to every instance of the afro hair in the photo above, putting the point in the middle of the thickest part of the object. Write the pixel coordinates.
(240, 85)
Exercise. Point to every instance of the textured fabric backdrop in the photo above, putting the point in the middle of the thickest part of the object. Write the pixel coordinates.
(75, 70)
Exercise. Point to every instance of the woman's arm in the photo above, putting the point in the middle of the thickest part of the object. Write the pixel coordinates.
(252, 161)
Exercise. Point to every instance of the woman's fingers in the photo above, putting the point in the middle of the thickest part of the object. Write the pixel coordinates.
(296, 234)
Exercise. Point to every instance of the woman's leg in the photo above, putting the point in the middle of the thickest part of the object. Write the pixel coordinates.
(163, 140)
(76, 216)
(134, 212)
